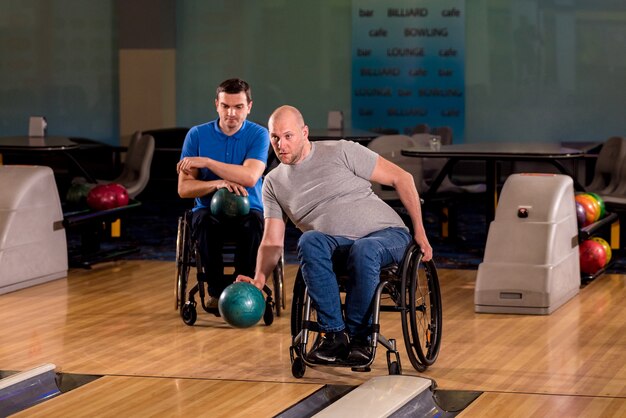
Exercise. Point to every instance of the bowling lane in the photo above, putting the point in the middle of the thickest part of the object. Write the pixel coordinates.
(116, 396)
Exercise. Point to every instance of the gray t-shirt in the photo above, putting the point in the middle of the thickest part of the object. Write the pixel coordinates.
(329, 191)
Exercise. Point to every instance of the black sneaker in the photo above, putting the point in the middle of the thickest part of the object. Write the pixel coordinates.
(360, 352)
(329, 348)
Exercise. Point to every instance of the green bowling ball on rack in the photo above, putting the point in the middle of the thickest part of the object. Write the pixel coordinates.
(77, 193)
(228, 204)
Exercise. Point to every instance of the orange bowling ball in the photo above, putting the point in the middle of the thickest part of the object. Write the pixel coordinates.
(591, 206)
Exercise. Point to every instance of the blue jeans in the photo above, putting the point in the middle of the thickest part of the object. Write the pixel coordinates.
(363, 258)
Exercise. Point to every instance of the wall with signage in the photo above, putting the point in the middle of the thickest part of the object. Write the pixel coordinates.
(534, 71)
(408, 60)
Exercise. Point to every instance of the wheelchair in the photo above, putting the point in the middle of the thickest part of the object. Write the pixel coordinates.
(187, 257)
(410, 288)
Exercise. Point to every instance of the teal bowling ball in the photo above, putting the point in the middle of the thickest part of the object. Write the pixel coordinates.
(226, 203)
(241, 305)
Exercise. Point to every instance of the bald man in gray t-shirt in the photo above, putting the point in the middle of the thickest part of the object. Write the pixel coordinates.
(330, 192)
(325, 189)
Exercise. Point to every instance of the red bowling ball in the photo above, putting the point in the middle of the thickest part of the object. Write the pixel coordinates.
(121, 194)
(592, 256)
(107, 196)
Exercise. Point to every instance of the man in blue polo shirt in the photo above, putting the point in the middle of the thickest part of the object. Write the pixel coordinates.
(229, 152)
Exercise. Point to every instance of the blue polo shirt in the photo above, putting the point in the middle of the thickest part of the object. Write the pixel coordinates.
(207, 140)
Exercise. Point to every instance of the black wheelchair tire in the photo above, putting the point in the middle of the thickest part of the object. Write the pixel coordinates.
(422, 313)
(394, 369)
(298, 367)
(429, 356)
(189, 313)
(277, 277)
(268, 315)
(297, 305)
(182, 261)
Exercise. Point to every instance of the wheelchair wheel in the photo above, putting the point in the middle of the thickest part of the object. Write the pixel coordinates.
(279, 292)
(393, 361)
(189, 313)
(182, 261)
(297, 305)
(394, 369)
(297, 349)
(268, 315)
(298, 367)
(421, 310)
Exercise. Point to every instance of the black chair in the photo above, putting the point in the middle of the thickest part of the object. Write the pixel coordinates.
(187, 257)
(163, 177)
(608, 176)
(410, 288)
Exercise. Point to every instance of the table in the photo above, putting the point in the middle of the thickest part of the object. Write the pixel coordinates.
(44, 144)
(90, 224)
(36, 143)
(356, 135)
(492, 153)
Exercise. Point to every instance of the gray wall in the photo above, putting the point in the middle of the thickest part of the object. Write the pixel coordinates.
(59, 59)
(536, 70)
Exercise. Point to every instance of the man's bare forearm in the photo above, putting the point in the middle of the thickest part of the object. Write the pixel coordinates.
(267, 258)
(241, 174)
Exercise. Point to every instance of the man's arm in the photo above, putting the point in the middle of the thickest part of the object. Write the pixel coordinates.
(387, 173)
(190, 187)
(246, 174)
(269, 253)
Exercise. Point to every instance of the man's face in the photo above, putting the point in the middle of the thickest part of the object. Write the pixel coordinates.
(288, 138)
(233, 110)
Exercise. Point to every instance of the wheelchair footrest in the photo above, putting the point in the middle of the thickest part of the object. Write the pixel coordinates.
(209, 309)
(341, 363)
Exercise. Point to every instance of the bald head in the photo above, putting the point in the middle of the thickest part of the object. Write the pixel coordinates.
(287, 111)
(289, 135)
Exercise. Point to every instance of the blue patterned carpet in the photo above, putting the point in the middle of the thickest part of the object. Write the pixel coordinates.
(153, 229)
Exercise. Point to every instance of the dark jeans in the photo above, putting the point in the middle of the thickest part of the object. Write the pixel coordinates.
(211, 233)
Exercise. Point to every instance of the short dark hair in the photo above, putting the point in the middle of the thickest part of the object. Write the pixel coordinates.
(234, 86)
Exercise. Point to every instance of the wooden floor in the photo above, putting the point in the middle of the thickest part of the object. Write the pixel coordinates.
(118, 320)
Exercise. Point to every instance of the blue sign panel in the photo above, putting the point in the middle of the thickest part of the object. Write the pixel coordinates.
(408, 65)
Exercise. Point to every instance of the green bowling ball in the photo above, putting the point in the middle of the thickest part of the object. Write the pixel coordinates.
(226, 203)
(241, 305)
(77, 193)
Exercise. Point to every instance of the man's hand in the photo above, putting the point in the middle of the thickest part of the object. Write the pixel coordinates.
(257, 283)
(238, 189)
(187, 164)
(427, 250)
(190, 166)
